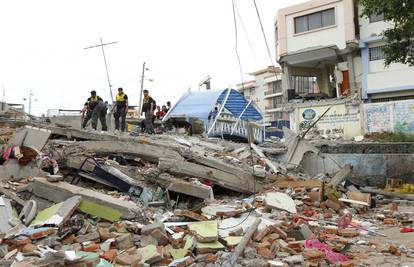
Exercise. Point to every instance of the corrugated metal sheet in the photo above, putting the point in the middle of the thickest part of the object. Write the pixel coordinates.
(198, 104)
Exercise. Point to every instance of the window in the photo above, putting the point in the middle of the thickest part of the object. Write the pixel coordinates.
(276, 101)
(303, 85)
(376, 17)
(277, 87)
(315, 20)
(376, 53)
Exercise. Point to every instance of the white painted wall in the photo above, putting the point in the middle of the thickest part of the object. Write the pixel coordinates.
(332, 35)
(367, 29)
(390, 80)
(397, 75)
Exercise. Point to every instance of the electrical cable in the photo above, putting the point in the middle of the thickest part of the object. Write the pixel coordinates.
(264, 36)
(245, 32)
(235, 45)
(225, 228)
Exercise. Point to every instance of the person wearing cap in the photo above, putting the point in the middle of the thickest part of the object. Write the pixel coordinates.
(88, 107)
(121, 108)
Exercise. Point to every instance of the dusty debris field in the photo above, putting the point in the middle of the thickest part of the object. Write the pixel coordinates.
(78, 198)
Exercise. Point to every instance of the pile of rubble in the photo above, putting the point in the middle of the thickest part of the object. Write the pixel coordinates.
(76, 198)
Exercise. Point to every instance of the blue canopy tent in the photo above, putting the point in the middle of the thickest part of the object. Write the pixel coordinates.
(198, 104)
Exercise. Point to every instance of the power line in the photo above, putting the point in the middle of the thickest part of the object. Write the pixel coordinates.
(264, 35)
(235, 44)
(245, 32)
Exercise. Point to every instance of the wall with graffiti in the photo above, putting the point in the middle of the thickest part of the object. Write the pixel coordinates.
(341, 120)
(395, 116)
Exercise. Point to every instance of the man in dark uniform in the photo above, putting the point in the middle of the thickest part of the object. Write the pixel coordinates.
(148, 107)
(88, 107)
(100, 111)
(121, 108)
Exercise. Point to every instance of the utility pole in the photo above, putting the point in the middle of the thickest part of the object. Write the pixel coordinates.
(142, 89)
(106, 65)
(30, 101)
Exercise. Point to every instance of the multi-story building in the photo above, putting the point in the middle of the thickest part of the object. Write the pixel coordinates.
(328, 51)
(380, 83)
(317, 47)
(265, 87)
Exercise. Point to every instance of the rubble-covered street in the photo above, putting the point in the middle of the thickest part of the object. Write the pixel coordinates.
(79, 198)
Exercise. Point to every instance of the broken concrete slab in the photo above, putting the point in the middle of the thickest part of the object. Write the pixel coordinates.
(149, 254)
(191, 189)
(12, 169)
(149, 152)
(6, 213)
(210, 247)
(147, 229)
(341, 175)
(282, 201)
(94, 203)
(30, 137)
(205, 231)
(58, 213)
(224, 179)
(297, 147)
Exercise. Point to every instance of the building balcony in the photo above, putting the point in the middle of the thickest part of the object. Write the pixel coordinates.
(272, 94)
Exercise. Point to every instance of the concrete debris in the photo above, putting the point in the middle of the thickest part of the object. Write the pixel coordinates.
(164, 200)
(277, 200)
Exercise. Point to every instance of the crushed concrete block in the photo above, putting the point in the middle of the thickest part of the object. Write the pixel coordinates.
(149, 254)
(282, 201)
(161, 237)
(205, 231)
(147, 229)
(191, 189)
(124, 242)
(57, 214)
(92, 236)
(211, 247)
(232, 240)
(128, 259)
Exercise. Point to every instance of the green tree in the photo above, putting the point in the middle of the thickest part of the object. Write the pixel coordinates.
(400, 36)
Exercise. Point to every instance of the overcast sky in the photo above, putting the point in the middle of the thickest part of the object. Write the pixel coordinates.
(181, 41)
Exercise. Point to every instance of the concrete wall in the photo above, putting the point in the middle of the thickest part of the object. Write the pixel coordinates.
(338, 34)
(394, 116)
(343, 120)
(369, 169)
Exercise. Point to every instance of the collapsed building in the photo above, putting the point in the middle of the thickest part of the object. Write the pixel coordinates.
(70, 197)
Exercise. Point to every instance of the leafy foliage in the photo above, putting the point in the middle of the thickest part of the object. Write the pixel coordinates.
(400, 36)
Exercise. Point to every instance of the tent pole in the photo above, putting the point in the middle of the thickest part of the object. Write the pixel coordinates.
(238, 119)
(220, 110)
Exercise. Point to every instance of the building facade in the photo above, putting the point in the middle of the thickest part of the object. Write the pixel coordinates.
(332, 58)
(379, 83)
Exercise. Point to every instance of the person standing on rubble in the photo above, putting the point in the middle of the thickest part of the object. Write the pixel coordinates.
(148, 107)
(88, 107)
(121, 108)
(100, 111)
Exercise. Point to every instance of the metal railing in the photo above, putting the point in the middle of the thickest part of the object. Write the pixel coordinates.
(226, 127)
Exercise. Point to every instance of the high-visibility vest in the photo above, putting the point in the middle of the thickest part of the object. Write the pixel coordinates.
(120, 97)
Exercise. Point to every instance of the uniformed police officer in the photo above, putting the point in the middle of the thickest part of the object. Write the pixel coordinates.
(121, 108)
(88, 107)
